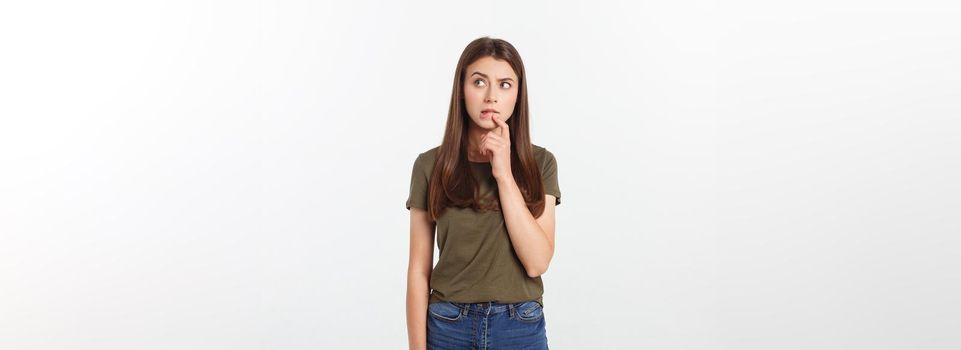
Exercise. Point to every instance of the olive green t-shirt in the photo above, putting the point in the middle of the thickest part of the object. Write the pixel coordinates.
(477, 261)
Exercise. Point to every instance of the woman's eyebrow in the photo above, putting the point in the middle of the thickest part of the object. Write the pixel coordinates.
(485, 76)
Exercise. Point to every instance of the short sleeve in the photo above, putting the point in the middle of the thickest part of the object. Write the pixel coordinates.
(549, 177)
(418, 184)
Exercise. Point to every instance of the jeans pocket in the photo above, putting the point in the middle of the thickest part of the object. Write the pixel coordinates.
(445, 311)
(529, 311)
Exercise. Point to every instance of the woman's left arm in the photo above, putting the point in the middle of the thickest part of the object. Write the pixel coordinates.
(533, 239)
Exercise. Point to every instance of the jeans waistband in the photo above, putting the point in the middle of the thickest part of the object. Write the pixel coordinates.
(487, 307)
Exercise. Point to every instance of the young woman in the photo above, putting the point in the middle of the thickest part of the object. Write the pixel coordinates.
(490, 195)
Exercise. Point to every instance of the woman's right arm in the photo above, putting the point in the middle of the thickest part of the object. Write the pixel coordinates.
(419, 268)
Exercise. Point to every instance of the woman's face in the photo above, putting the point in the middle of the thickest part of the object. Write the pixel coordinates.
(490, 87)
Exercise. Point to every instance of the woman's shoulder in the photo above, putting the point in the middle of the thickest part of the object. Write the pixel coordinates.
(427, 158)
(430, 153)
(542, 154)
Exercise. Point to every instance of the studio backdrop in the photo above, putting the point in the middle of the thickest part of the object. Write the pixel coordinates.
(232, 174)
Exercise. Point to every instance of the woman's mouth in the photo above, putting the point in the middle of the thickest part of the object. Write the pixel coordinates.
(487, 113)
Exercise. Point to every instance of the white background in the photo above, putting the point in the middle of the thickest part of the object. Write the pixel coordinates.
(232, 174)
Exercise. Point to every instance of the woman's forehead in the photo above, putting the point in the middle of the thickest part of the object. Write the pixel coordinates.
(492, 68)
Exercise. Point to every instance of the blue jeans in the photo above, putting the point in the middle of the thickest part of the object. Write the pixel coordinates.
(485, 326)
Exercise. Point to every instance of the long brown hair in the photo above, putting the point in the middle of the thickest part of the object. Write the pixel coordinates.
(453, 184)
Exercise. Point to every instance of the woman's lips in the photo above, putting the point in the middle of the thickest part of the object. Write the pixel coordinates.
(487, 114)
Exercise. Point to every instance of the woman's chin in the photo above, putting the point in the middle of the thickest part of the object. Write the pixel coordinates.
(486, 124)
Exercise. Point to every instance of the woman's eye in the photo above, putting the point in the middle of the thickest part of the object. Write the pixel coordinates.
(506, 85)
(479, 82)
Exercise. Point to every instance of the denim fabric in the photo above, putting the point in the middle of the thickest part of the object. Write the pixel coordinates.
(486, 326)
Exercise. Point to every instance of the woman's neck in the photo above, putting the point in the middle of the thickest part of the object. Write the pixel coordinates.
(474, 134)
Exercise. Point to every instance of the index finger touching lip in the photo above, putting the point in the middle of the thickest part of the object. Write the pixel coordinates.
(503, 127)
